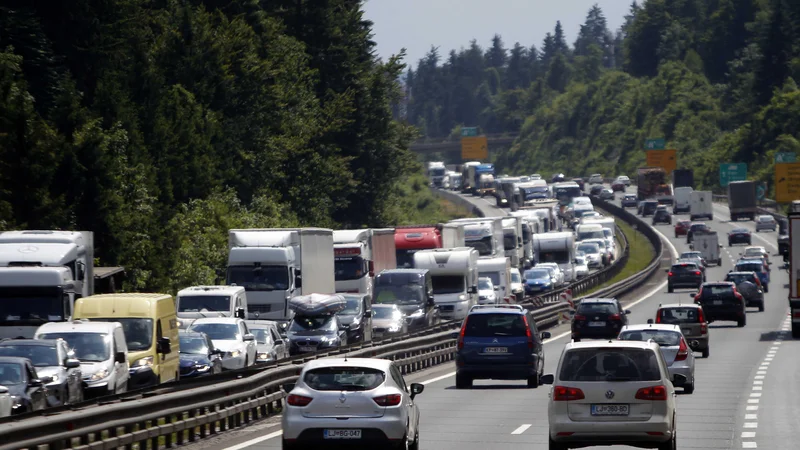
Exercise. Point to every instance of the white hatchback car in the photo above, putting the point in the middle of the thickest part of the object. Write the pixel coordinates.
(363, 401)
(231, 335)
(611, 393)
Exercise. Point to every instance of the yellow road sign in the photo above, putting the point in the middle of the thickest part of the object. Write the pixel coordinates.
(666, 159)
(474, 147)
(787, 182)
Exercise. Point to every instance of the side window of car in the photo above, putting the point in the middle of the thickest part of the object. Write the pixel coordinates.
(398, 378)
(275, 335)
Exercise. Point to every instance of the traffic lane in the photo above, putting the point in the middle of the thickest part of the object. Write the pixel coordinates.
(768, 239)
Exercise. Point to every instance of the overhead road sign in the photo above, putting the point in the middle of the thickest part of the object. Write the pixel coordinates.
(761, 191)
(666, 159)
(655, 144)
(476, 147)
(787, 182)
(469, 131)
(732, 172)
(785, 157)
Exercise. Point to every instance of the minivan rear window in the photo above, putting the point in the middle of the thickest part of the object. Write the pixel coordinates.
(749, 267)
(610, 364)
(344, 379)
(674, 316)
(597, 308)
(495, 325)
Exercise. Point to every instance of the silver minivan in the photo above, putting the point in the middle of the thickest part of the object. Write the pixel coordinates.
(101, 349)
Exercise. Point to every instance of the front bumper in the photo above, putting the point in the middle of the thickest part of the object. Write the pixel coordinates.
(141, 378)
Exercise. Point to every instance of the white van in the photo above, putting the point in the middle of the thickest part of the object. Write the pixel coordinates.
(499, 271)
(589, 231)
(683, 200)
(198, 302)
(701, 205)
(101, 349)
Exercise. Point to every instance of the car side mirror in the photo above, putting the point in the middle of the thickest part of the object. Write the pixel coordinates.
(240, 313)
(627, 311)
(545, 335)
(547, 379)
(298, 282)
(367, 314)
(248, 337)
(679, 379)
(288, 387)
(473, 290)
(120, 357)
(416, 389)
(278, 341)
(36, 382)
(692, 295)
(163, 346)
(72, 363)
(666, 270)
(649, 321)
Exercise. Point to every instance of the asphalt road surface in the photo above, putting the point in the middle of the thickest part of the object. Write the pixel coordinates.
(747, 392)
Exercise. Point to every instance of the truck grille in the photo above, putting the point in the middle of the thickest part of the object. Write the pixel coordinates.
(447, 308)
(259, 308)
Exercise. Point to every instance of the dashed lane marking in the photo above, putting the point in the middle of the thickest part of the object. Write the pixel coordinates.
(521, 429)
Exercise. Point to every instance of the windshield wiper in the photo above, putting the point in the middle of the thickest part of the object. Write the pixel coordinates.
(613, 378)
(352, 387)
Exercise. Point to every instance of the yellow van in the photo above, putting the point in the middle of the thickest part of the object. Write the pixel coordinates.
(150, 324)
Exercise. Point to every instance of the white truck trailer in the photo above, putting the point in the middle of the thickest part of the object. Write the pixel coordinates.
(454, 273)
(359, 255)
(276, 264)
(558, 248)
(484, 234)
(512, 240)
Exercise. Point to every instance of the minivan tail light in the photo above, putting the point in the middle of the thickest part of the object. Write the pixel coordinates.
(579, 317)
(461, 334)
(654, 393)
(388, 400)
(658, 317)
(614, 317)
(683, 351)
(528, 332)
(697, 272)
(298, 400)
(565, 394)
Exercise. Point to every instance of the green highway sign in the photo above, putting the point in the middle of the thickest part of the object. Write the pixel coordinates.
(761, 191)
(655, 144)
(469, 131)
(732, 172)
(785, 157)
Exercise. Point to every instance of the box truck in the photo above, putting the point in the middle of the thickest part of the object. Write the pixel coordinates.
(701, 205)
(359, 255)
(512, 240)
(742, 200)
(485, 234)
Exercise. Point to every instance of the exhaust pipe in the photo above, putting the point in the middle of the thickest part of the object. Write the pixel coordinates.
(694, 344)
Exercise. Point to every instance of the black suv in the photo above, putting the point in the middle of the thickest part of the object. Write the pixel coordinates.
(598, 318)
(684, 274)
(662, 216)
(721, 301)
(648, 207)
(749, 285)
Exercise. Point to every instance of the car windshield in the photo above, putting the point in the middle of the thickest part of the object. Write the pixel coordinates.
(609, 364)
(353, 305)
(217, 331)
(193, 345)
(675, 316)
(138, 332)
(493, 325)
(40, 355)
(303, 323)
(516, 277)
(262, 335)
(203, 303)
(485, 284)
(597, 308)
(537, 274)
(344, 379)
(88, 347)
(664, 338)
(766, 219)
(408, 294)
(385, 313)
(589, 248)
(10, 373)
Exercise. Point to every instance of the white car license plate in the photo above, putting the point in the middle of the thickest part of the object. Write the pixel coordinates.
(597, 324)
(304, 348)
(610, 410)
(342, 434)
(495, 350)
(716, 302)
(686, 331)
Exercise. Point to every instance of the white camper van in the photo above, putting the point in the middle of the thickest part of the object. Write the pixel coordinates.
(556, 248)
(454, 273)
(197, 302)
(499, 271)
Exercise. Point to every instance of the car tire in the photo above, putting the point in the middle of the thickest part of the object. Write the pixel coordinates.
(766, 288)
(741, 322)
(670, 289)
(671, 444)
(729, 244)
(761, 306)
(533, 382)
(463, 382)
(689, 388)
(553, 445)
(706, 352)
(415, 445)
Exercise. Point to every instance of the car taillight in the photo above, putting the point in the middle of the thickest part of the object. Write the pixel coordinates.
(697, 272)
(683, 351)
(579, 317)
(670, 274)
(652, 393)
(702, 319)
(298, 400)
(658, 317)
(565, 394)
(528, 332)
(388, 400)
(614, 317)
(461, 334)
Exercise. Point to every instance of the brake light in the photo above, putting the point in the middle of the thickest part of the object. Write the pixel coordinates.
(697, 272)
(614, 317)
(703, 324)
(461, 334)
(565, 394)
(388, 400)
(683, 351)
(528, 332)
(654, 393)
(298, 400)
(579, 317)
(670, 273)
(658, 317)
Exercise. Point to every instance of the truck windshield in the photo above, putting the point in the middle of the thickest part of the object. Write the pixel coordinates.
(348, 268)
(88, 347)
(438, 172)
(597, 234)
(400, 295)
(405, 257)
(566, 194)
(534, 192)
(32, 305)
(259, 278)
(494, 276)
(203, 303)
(448, 284)
(483, 245)
(138, 332)
(509, 241)
(560, 257)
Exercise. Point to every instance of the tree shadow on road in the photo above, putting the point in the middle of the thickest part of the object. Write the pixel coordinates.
(773, 335)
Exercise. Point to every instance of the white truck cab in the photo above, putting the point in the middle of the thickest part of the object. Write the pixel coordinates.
(484, 234)
(199, 302)
(359, 255)
(33, 296)
(454, 273)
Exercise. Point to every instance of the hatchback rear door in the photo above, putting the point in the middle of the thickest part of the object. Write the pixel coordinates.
(496, 338)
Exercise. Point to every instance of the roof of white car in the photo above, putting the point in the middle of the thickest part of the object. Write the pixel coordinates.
(77, 326)
(651, 326)
(371, 363)
(644, 345)
(228, 320)
(762, 249)
(680, 305)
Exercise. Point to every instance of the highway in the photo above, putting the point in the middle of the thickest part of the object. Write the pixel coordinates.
(746, 396)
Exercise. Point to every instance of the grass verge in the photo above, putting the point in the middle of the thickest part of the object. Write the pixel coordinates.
(641, 253)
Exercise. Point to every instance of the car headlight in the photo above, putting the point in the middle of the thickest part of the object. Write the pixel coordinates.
(100, 374)
(16, 401)
(147, 361)
(202, 367)
(355, 323)
(264, 357)
(234, 354)
(462, 297)
(55, 378)
(417, 314)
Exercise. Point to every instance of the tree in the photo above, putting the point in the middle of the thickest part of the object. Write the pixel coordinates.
(776, 44)
(645, 37)
(594, 31)
(518, 71)
(496, 55)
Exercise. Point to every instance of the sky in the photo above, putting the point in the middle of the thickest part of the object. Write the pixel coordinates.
(416, 25)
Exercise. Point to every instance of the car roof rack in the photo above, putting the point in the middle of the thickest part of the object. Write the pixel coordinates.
(501, 306)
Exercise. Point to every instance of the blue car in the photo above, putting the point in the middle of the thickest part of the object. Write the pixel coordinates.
(754, 265)
(499, 342)
(537, 281)
(198, 357)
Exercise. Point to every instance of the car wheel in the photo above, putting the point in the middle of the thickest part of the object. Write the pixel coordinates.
(766, 288)
(415, 445)
(741, 322)
(463, 382)
(672, 444)
(706, 352)
(553, 445)
(689, 388)
(670, 289)
(533, 382)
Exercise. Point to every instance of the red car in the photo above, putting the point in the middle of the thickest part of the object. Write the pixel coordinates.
(682, 227)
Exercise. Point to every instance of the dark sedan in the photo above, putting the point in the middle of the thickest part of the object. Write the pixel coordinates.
(28, 391)
(740, 236)
(51, 358)
(629, 201)
(198, 355)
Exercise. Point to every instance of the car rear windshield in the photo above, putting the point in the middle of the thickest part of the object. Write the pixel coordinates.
(661, 337)
(717, 290)
(740, 231)
(674, 316)
(597, 308)
(684, 268)
(344, 379)
(610, 364)
(739, 278)
(750, 267)
(494, 325)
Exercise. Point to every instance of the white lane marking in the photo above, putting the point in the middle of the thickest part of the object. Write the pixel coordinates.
(434, 380)
(772, 349)
(521, 429)
(752, 400)
(767, 359)
(758, 388)
(777, 343)
(755, 394)
(749, 445)
(252, 442)
(748, 434)
(751, 417)
(738, 225)
(752, 407)
(758, 382)
(751, 424)
(766, 363)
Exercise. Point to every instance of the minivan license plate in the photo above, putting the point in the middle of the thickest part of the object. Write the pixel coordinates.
(717, 302)
(496, 350)
(597, 324)
(610, 410)
(342, 434)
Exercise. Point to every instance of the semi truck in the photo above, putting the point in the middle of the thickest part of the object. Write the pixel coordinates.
(528, 192)
(558, 248)
(468, 176)
(436, 173)
(28, 259)
(794, 263)
(485, 234)
(652, 183)
(411, 239)
(276, 264)
(682, 178)
(359, 255)
(454, 275)
(742, 200)
(512, 240)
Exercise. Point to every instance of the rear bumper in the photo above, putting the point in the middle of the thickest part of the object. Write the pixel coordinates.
(680, 369)
(373, 430)
(497, 371)
(701, 342)
(608, 433)
(723, 313)
(606, 332)
(685, 283)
